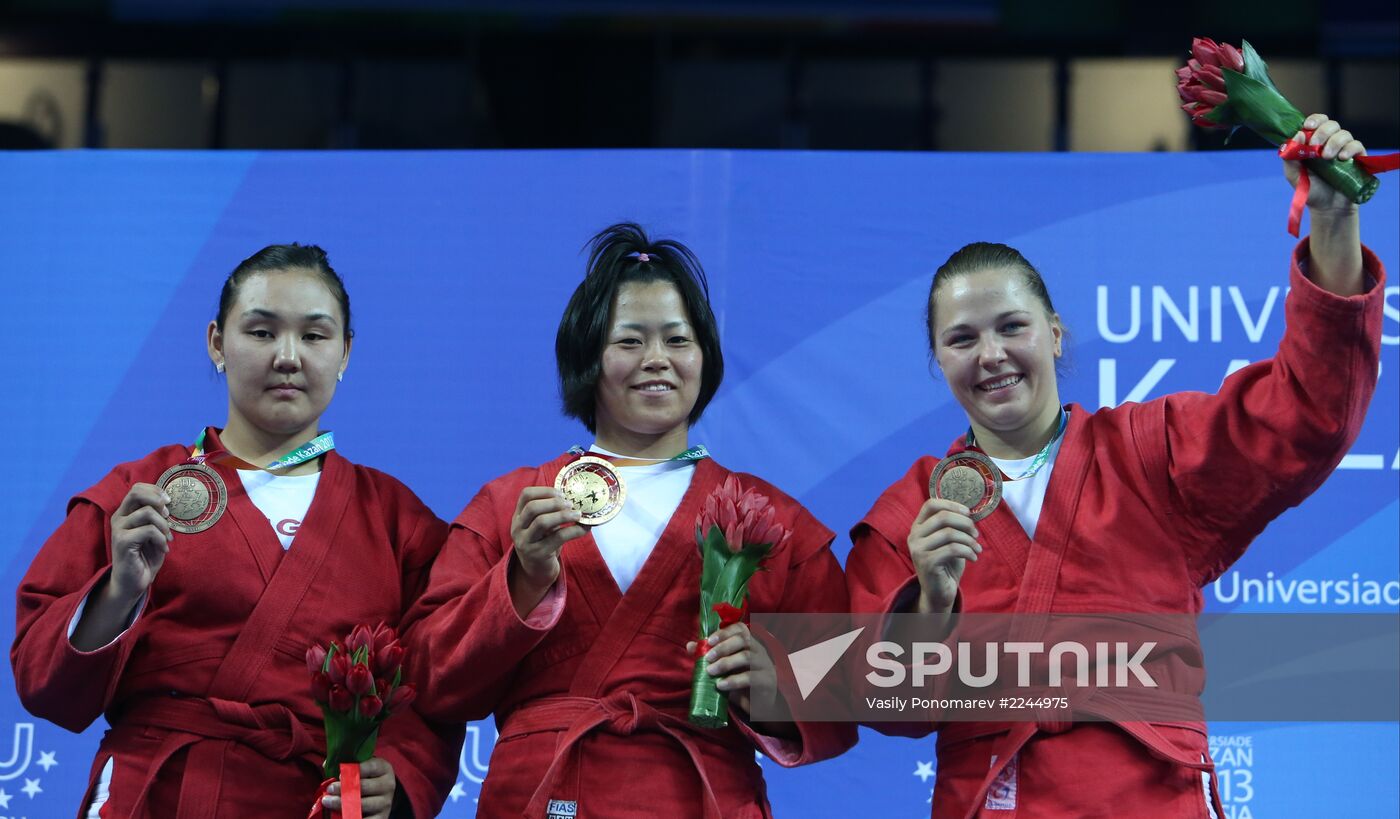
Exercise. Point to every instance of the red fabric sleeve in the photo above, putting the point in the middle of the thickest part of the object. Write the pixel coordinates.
(1230, 463)
(56, 681)
(879, 571)
(465, 625)
(423, 753)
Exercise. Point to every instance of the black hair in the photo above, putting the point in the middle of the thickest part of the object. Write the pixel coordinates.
(618, 255)
(978, 256)
(285, 257)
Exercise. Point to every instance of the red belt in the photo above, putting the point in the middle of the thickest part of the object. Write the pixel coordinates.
(1116, 707)
(207, 727)
(621, 714)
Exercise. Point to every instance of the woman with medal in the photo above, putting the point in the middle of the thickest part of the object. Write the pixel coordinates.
(566, 597)
(1043, 508)
(180, 594)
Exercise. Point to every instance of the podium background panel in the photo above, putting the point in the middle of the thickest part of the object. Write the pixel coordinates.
(459, 265)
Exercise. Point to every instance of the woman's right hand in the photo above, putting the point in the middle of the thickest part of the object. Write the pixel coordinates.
(941, 541)
(140, 541)
(141, 538)
(542, 524)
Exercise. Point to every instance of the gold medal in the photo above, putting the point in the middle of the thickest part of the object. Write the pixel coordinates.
(594, 488)
(969, 478)
(197, 497)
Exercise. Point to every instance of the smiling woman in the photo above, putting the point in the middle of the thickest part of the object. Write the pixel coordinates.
(571, 624)
(1126, 509)
(179, 592)
(996, 337)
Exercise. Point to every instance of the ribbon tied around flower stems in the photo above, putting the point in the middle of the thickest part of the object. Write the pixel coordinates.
(728, 616)
(349, 795)
(1298, 151)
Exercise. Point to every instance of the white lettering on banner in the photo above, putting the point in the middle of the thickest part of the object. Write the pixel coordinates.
(1234, 772)
(1187, 321)
(1108, 381)
(1235, 588)
(1162, 302)
(1235, 365)
(1254, 331)
(1142, 391)
(1362, 462)
(476, 753)
(1392, 312)
(21, 754)
(1135, 316)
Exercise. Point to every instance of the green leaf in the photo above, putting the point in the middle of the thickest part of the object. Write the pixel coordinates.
(336, 730)
(1262, 108)
(1254, 66)
(731, 577)
(709, 620)
(714, 552)
(364, 749)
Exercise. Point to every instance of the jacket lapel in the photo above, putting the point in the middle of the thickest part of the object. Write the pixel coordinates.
(656, 578)
(291, 577)
(1057, 516)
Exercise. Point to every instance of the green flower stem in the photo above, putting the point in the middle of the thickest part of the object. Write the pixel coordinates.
(1347, 177)
(1256, 103)
(708, 707)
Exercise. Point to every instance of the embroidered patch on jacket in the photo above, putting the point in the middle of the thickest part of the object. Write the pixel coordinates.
(1001, 795)
(561, 809)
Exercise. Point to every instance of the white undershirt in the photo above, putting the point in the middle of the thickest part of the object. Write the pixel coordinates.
(283, 499)
(654, 492)
(1026, 496)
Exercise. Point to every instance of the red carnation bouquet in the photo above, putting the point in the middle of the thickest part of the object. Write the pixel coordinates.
(736, 532)
(358, 685)
(1226, 87)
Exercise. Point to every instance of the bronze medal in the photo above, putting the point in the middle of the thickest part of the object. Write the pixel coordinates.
(594, 487)
(969, 478)
(197, 497)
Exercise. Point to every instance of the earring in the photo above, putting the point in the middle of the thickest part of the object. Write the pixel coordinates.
(340, 376)
(219, 366)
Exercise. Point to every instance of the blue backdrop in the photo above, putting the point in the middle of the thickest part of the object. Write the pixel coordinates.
(1170, 271)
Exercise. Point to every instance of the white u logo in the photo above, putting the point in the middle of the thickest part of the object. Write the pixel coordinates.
(470, 763)
(24, 747)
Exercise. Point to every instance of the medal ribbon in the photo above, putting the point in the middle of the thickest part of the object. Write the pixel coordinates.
(695, 453)
(1040, 457)
(314, 448)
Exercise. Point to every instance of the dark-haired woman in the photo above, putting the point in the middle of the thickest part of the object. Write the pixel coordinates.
(180, 598)
(1129, 509)
(577, 638)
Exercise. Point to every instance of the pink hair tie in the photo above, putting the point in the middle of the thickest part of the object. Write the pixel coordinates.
(642, 257)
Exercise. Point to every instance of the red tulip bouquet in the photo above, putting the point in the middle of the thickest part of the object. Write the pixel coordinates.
(358, 685)
(1226, 87)
(736, 532)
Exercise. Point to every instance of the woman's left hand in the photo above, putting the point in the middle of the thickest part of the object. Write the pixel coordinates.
(377, 786)
(745, 671)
